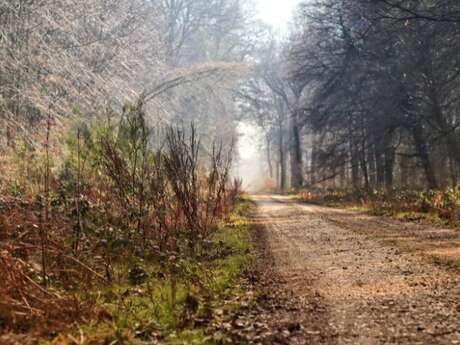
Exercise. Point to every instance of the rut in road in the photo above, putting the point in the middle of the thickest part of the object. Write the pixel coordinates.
(370, 292)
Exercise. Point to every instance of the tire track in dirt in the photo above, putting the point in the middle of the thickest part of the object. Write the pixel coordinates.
(366, 290)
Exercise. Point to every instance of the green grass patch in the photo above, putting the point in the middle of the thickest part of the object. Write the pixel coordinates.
(139, 313)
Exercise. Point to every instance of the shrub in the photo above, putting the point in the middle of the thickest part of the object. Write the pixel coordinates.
(113, 202)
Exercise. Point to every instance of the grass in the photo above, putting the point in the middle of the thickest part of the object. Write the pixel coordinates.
(439, 208)
(143, 313)
(409, 216)
(432, 218)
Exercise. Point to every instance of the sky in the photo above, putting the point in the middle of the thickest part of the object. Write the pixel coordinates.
(278, 13)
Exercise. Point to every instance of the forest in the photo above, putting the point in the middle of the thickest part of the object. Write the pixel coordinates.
(360, 101)
(360, 96)
(123, 218)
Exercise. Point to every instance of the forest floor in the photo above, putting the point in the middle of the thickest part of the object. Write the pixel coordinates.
(333, 276)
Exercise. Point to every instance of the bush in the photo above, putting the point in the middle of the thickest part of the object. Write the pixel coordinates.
(115, 200)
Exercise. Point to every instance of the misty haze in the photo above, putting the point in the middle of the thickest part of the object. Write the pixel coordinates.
(217, 172)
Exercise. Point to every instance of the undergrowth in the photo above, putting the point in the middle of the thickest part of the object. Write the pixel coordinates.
(111, 235)
(138, 309)
(441, 207)
(142, 313)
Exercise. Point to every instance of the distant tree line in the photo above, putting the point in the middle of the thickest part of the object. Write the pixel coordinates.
(369, 93)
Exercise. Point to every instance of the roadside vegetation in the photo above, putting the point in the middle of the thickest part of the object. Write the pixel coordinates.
(120, 219)
(440, 207)
(109, 240)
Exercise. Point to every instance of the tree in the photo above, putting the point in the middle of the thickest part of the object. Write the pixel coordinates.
(378, 78)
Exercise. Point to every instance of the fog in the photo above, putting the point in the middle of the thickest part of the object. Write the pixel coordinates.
(250, 164)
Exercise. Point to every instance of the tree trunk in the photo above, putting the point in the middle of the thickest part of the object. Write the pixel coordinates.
(449, 134)
(371, 166)
(282, 156)
(379, 162)
(269, 157)
(354, 165)
(313, 161)
(277, 173)
(389, 161)
(363, 164)
(422, 151)
(404, 171)
(453, 167)
(296, 154)
(343, 176)
(442, 162)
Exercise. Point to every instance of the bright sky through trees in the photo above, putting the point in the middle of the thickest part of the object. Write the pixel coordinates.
(277, 12)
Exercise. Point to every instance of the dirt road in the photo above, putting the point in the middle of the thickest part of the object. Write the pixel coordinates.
(360, 279)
